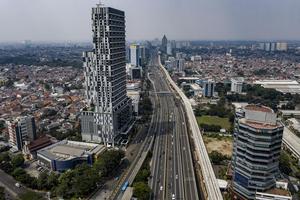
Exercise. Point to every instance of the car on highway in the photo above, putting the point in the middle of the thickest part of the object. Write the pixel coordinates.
(173, 196)
(161, 188)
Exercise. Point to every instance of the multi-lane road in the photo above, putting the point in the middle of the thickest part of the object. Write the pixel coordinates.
(172, 169)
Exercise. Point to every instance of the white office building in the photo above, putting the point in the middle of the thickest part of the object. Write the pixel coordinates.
(105, 78)
(20, 130)
(169, 49)
(180, 64)
(237, 84)
(256, 151)
(135, 55)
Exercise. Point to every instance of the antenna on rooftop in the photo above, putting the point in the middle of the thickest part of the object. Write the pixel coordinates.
(100, 3)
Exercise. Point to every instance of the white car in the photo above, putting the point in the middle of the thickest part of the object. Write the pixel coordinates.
(173, 196)
(161, 188)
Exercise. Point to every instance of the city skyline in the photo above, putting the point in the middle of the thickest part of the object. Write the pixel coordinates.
(195, 20)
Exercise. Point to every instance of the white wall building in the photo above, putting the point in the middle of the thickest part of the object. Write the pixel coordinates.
(20, 130)
(135, 55)
(237, 84)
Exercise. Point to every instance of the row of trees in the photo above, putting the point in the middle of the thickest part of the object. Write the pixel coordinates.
(2, 194)
(221, 109)
(259, 95)
(78, 182)
(210, 127)
(141, 190)
(288, 164)
(84, 179)
(9, 163)
(217, 158)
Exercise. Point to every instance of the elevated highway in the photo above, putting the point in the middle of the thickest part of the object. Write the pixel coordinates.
(209, 184)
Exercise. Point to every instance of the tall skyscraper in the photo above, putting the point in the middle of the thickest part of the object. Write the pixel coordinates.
(105, 78)
(256, 151)
(20, 130)
(164, 43)
(180, 63)
(135, 55)
(169, 49)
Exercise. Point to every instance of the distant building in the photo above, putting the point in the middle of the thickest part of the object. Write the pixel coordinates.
(180, 64)
(256, 151)
(208, 88)
(135, 98)
(171, 63)
(135, 55)
(284, 86)
(142, 54)
(30, 148)
(164, 43)
(237, 84)
(179, 55)
(267, 46)
(20, 130)
(196, 89)
(273, 46)
(281, 46)
(65, 154)
(105, 78)
(136, 73)
(169, 49)
(196, 58)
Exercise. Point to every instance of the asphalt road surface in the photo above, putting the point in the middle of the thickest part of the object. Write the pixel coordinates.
(172, 167)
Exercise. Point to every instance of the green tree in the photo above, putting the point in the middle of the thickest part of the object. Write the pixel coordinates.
(4, 157)
(52, 180)
(216, 157)
(2, 193)
(47, 86)
(17, 161)
(42, 181)
(20, 175)
(108, 162)
(285, 163)
(31, 196)
(142, 175)
(141, 191)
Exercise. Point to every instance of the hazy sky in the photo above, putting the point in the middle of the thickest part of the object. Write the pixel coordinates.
(59, 20)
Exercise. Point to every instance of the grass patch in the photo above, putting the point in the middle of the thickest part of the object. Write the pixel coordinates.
(214, 120)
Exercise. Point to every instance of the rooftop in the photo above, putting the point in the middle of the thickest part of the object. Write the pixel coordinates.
(258, 108)
(276, 82)
(65, 150)
(259, 125)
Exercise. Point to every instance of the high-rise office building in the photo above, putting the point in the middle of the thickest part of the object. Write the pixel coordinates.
(142, 54)
(180, 64)
(237, 84)
(169, 49)
(256, 151)
(105, 78)
(281, 46)
(20, 130)
(164, 43)
(135, 55)
(208, 87)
